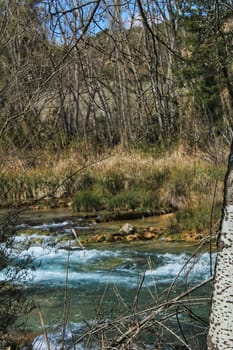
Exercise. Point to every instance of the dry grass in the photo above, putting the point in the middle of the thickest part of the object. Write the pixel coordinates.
(116, 160)
(177, 177)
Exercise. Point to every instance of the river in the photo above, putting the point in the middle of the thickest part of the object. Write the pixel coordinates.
(99, 282)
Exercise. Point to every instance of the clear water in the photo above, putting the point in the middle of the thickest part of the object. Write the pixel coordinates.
(101, 281)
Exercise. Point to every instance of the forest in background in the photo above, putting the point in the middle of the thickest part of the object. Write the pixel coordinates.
(114, 104)
(132, 82)
(140, 74)
(124, 84)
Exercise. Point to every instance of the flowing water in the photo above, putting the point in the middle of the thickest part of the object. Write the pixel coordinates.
(98, 281)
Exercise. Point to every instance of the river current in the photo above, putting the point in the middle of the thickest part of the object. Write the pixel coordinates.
(98, 281)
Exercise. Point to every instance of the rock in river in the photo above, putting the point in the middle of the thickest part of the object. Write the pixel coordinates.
(127, 229)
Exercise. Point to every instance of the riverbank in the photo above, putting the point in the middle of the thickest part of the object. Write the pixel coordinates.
(85, 229)
(191, 185)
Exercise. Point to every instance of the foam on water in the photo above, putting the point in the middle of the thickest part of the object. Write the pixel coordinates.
(100, 266)
(180, 265)
(73, 330)
(52, 253)
(50, 267)
(52, 225)
(91, 266)
(76, 279)
(25, 238)
(58, 225)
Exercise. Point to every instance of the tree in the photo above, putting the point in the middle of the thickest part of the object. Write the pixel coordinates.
(221, 320)
(220, 336)
(160, 22)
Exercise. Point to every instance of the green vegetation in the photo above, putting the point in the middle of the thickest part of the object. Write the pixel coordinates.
(185, 186)
(130, 117)
(17, 189)
(197, 219)
(136, 182)
(144, 101)
(87, 200)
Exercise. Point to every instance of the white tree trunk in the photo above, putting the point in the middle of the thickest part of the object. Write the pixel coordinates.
(220, 335)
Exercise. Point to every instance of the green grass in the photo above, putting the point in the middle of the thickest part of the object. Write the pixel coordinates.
(23, 188)
(198, 218)
(87, 201)
(124, 182)
(127, 200)
(113, 182)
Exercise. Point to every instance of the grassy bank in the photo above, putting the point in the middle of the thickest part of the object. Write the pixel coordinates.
(191, 185)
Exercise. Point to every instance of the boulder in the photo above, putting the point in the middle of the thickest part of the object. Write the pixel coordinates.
(127, 229)
(131, 237)
(148, 235)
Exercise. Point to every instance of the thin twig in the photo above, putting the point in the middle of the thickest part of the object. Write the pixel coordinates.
(77, 239)
(179, 325)
(138, 293)
(65, 310)
(43, 327)
(153, 312)
(183, 267)
(159, 309)
(173, 333)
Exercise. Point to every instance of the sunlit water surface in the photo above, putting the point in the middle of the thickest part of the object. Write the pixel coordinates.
(98, 281)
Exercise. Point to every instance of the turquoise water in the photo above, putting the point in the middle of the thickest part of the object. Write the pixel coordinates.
(101, 282)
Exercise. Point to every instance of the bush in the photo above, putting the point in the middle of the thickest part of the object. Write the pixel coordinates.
(185, 218)
(151, 201)
(87, 201)
(140, 200)
(198, 218)
(124, 200)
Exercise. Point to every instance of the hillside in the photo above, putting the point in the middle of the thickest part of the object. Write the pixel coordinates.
(152, 84)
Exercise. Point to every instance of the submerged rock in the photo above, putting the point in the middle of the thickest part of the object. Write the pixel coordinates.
(99, 238)
(114, 238)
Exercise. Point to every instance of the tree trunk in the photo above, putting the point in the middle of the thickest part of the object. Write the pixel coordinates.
(220, 335)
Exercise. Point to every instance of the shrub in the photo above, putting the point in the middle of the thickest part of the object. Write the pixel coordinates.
(181, 180)
(185, 218)
(198, 218)
(151, 201)
(140, 200)
(87, 200)
(125, 200)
